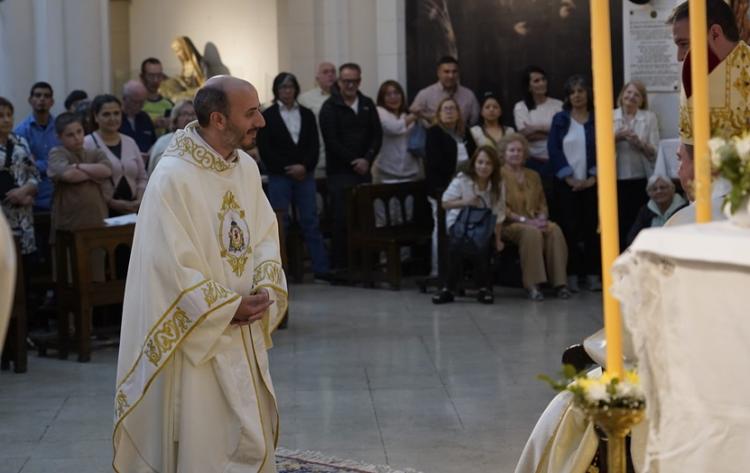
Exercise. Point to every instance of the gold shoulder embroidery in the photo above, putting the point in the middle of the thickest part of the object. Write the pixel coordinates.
(183, 146)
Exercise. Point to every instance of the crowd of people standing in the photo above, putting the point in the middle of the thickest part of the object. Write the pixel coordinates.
(538, 176)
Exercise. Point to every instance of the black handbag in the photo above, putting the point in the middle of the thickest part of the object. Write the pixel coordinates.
(7, 181)
(473, 229)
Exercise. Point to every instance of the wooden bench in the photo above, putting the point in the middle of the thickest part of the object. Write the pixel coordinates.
(405, 222)
(79, 295)
(15, 350)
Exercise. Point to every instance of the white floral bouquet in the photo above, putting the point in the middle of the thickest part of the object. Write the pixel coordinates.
(731, 159)
(600, 392)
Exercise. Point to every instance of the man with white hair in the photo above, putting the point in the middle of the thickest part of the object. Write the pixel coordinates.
(135, 122)
(314, 98)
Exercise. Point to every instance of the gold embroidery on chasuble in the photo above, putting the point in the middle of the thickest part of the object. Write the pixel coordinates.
(184, 146)
(729, 93)
(270, 275)
(167, 335)
(234, 234)
(268, 270)
(212, 292)
(122, 404)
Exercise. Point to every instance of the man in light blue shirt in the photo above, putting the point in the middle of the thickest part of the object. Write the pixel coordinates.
(39, 130)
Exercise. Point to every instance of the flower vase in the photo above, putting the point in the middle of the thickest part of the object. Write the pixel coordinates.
(616, 423)
(741, 216)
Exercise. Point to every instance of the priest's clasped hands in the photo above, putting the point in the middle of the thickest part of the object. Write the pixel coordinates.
(252, 308)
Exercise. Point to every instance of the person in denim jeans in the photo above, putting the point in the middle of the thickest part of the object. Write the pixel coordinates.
(289, 148)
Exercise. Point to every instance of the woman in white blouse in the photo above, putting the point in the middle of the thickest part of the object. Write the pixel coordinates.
(395, 163)
(636, 143)
(480, 185)
(128, 182)
(533, 117)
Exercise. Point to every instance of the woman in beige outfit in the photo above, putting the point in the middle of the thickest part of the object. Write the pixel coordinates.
(544, 254)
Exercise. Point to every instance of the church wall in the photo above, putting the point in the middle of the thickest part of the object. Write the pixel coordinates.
(369, 32)
(244, 32)
(62, 43)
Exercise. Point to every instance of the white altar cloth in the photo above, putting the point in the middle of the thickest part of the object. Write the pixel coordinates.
(685, 293)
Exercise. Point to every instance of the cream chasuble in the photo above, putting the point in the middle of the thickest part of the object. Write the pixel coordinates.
(7, 276)
(194, 394)
(728, 97)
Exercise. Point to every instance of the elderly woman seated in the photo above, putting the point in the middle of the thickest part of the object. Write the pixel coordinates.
(541, 244)
(663, 203)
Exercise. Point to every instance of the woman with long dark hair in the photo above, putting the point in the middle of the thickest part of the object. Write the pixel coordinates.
(533, 116)
(490, 130)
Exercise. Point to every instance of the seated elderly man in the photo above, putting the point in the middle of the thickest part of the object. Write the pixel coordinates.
(663, 203)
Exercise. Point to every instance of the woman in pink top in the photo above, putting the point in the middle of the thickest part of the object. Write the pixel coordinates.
(125, 190)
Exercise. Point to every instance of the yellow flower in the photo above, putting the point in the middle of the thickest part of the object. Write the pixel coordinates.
(632, 377)
(606, 378)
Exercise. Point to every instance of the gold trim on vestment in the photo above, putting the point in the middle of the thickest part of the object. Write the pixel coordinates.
(236, 256)
(162, 335)
(184, 146)
(257, 394)
(155, 326)
(730, 117)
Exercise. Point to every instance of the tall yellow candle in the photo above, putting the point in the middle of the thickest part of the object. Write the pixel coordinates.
(601, 50)
(701, 126)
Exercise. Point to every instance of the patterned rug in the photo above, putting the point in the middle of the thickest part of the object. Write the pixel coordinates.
(293, 461)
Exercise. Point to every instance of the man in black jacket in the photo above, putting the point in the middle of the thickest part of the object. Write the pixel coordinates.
(352, 134)
(289, 148)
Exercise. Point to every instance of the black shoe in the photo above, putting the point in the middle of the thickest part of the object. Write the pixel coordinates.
(443, 297)
(563, 293)
(485, 296)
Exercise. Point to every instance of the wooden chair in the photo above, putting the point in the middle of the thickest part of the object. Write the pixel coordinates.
(15, 350)
(400, 227)
(80, 294)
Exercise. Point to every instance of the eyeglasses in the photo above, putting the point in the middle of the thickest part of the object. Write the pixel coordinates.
(350, 81)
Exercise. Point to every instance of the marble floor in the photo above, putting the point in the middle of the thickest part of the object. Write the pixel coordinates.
(378, 376)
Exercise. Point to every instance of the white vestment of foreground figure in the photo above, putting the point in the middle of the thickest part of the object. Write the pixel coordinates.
(194, 393)
(7, 276)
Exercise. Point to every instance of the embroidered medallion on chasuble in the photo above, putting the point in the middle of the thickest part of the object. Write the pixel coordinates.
(728, 95)
(206, 236)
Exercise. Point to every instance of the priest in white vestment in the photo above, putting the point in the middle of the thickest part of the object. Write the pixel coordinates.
(204, 292)
(7, 276)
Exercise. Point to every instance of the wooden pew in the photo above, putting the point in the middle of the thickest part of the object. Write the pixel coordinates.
(15, 350)
(397, 227)
(81, 294)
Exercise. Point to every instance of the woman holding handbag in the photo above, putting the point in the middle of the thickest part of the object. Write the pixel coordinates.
(480, 186)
